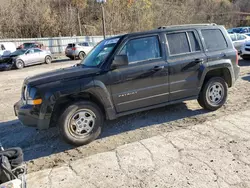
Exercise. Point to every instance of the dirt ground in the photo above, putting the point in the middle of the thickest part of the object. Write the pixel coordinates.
(45, 149)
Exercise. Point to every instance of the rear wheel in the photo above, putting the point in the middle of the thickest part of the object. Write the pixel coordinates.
(213, 94)
(81, 55)
(48, 60)
(19, 64)
(81, 123)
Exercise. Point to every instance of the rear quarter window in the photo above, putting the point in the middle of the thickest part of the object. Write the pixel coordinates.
(214, 39)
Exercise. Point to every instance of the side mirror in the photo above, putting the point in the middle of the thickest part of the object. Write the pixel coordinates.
(119, 60)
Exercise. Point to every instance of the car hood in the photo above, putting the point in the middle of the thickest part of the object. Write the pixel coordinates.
(6, 59)
(61, 74)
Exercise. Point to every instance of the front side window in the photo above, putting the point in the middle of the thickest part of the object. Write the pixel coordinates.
(214, 39)
(142, 49)
(178, 43)
(85, 44)
(37, 50)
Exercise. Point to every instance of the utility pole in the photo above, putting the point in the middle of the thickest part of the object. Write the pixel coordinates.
(102, 2)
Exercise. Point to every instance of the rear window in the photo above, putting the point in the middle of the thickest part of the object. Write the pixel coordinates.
(214, 39)
(178, 43)
(71, 45)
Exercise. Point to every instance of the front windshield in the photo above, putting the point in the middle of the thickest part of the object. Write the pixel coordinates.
(18, 52)
(100, 52)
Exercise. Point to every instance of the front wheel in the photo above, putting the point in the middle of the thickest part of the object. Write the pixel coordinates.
(19, 64)
(48, 60)
(81, 123)
(213, 94)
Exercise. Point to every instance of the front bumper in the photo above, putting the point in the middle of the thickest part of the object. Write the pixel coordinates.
(5, 66)
(29, 115)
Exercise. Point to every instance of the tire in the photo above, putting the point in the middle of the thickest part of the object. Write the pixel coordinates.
(19, 64)
(81, 55)
(78, 112)
(48, 60)
(213, 94)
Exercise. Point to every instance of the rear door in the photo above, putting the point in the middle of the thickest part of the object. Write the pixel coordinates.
(185, 57)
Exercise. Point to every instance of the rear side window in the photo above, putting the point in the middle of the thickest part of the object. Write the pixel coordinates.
(178, 43)
(214, 39)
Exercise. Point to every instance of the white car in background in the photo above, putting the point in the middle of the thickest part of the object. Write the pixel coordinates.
(239, 40)
(6, 48)
(78, 50)
(245, 51)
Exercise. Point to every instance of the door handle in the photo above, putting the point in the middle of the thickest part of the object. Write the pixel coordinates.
(157, 68)
(198, 61)
(223, 55)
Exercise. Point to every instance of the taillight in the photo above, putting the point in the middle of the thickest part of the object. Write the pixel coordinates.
(73, 48)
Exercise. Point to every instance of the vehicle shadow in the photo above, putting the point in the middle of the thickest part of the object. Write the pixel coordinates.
(36, 143)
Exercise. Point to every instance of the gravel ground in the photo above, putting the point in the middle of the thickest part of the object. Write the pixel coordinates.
(45, 149)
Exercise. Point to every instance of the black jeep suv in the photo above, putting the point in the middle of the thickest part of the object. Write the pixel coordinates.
(131, 73)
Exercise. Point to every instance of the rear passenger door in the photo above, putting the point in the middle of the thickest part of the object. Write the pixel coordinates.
(185, 59)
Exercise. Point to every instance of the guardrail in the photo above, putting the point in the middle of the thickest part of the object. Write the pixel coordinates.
(55, 44)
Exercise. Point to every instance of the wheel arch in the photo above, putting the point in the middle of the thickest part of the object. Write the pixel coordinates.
(89, 95)
(223, 70)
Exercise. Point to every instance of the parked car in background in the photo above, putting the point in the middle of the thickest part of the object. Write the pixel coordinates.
(29, 45)
(25, 57)
(7, 48)
(239, 30)
(239, 40)
(78, 50)
(131, 73)
(245, 51)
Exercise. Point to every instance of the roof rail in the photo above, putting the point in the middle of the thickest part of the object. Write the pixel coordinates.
(185, 25)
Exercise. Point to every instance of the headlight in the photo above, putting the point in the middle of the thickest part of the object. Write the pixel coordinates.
(29, 96)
